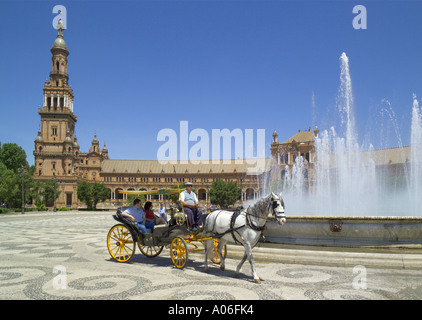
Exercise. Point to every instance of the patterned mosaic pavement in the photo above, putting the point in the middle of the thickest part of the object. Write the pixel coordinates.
(64, 256)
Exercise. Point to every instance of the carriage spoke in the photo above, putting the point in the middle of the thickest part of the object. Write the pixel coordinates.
(120, 244)
(179, 252)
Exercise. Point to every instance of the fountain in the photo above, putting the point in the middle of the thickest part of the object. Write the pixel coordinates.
(355, 198)
(416, 158)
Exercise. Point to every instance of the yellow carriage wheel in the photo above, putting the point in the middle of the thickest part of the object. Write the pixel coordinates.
(179, 252)
(150, 251)
(215, 257)
(120, 243)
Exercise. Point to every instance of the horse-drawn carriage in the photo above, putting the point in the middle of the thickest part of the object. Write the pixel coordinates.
(242, 226)
(123, 237)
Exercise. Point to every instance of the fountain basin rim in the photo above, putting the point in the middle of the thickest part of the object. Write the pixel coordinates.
(344, 231)
(366, 218)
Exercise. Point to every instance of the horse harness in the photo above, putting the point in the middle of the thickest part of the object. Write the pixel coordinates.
(240, 210)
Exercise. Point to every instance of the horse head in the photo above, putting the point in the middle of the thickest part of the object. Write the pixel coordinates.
(277, 207)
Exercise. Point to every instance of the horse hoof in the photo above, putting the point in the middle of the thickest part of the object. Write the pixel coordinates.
(222, 268)
(236, 275)
(258, 281)
(207, 270)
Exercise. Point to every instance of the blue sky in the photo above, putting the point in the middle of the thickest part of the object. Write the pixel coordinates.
(137, 67)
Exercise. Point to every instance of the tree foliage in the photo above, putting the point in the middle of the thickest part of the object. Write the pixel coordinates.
(50, 191)
(91, 194)
(9, 187)
(15, 175)
(175, 197)
(45, 192)
(224, 193)
(132, 197)
(13, 157)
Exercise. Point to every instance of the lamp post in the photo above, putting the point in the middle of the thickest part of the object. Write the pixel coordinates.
(241, 190)
(54, 185)
(23, 173)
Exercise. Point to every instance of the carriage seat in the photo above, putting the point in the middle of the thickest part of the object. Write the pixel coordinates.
(119, 217)
(158, 227)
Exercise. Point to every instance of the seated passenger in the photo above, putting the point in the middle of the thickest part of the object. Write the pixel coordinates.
(151, 218)
(136, 214)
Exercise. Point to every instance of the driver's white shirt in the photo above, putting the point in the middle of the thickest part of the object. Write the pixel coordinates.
(190, 197)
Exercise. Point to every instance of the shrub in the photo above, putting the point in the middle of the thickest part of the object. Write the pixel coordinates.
(20, 209)
(63, 209)
(42, 207)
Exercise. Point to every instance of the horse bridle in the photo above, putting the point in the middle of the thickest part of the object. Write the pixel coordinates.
(274, 204)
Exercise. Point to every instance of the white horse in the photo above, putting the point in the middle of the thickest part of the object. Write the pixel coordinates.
(246, 228)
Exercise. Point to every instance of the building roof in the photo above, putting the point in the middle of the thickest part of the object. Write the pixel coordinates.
(389, 156)
(302, 136)
(182, 167)
(381, 157)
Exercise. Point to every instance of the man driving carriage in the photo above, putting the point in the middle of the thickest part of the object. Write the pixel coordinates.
(190, 204)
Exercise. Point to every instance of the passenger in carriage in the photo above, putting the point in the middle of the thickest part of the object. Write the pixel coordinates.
(136, 214)
(149, 215)
(151, 218)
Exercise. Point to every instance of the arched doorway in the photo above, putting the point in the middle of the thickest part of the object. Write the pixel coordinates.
(202, 195)
(250, 194)
(117, 195)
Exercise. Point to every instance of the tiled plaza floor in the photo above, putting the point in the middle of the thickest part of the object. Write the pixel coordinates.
(64, 256)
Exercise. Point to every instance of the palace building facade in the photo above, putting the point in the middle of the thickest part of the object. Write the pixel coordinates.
(58, 156)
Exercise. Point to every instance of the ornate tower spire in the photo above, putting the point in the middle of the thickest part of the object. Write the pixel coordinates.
(55, 152)
(58, 95)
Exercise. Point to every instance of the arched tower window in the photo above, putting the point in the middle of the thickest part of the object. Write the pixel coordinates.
(57, 66)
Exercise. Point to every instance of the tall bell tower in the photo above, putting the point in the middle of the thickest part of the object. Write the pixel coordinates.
(56, 148)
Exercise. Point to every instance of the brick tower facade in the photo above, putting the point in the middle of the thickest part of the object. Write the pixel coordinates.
(56, 148)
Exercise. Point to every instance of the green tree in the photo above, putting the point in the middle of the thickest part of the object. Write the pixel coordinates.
(44, 192)
(15, 179)
(224, 193)
(99, 193)
(131, 197)
(50, 191)
(91, 194)
(37, 193)
(175, 197)
(13, 157)
(84, 193)
(9, 187)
